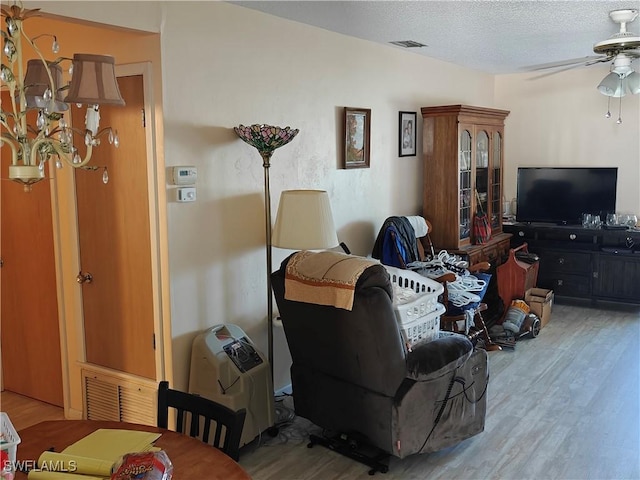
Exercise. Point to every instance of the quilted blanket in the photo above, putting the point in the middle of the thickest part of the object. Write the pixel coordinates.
(324, 278)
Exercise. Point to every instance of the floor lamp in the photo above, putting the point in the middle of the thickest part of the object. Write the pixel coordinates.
(266, 138)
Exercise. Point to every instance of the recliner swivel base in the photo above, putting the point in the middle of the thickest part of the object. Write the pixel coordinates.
(355, 449)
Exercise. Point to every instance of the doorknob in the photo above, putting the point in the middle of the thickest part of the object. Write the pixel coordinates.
(84, 277)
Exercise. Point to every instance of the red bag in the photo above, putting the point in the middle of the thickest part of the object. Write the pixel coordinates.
(481, 225)
(481, 229)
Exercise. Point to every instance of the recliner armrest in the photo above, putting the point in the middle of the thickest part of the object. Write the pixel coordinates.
(435, 358)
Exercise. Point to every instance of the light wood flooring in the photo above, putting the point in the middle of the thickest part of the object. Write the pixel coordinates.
(24, 411)
(565, 405)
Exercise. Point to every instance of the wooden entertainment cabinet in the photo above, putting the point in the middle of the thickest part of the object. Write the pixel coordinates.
(595, 264)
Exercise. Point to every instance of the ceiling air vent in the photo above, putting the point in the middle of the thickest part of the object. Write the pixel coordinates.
(408, 44)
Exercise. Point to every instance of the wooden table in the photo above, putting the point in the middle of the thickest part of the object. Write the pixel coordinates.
(191, 458)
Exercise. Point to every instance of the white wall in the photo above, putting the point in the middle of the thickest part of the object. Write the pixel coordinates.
(250, 67)
(559, 121)
(224, 65)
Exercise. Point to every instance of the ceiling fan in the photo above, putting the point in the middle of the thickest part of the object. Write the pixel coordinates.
(620, 49)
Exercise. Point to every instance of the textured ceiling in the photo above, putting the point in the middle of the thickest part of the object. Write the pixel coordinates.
(491, 36)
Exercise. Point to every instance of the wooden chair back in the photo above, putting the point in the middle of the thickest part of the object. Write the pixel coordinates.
(194, 410)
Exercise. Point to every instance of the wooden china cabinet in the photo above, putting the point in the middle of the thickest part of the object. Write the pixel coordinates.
(463, 163)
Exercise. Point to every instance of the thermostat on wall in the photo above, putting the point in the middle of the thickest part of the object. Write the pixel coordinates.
(184, 175)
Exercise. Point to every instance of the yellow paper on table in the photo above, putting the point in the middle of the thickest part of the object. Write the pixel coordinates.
(74, 464)
(47, 475)
(110, 444)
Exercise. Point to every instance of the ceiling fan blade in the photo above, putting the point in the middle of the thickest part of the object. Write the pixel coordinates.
(563, 63)
(599, 60)
(569, 67)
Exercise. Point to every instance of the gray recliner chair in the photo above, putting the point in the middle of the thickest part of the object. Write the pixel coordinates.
(353, 375)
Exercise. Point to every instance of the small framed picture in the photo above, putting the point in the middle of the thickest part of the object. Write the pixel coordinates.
(407, 137)
(357, 137)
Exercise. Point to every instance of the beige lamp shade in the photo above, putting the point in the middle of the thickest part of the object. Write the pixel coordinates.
(304, 221)
(37, 81)
(94, 81)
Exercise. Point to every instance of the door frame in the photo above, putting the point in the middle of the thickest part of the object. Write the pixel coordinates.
(68, 253)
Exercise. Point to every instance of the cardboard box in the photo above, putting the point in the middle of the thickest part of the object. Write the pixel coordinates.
(540, 300)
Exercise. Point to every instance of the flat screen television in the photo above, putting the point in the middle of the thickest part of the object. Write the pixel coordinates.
(560, 195)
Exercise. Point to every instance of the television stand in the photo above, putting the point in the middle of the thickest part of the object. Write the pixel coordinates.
(586, 263)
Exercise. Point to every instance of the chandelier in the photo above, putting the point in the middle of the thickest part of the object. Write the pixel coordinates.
(41, 88)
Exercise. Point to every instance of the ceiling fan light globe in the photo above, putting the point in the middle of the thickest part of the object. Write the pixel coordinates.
(611, 86)
(633, 83)
(622, 71)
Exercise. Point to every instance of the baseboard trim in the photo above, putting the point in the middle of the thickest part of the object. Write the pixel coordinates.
(286, 390)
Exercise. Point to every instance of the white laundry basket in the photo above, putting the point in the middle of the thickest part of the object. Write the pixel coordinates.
(9, 441)
(415, 301)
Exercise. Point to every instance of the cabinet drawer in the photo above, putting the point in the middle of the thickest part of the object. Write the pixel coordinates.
(566, 261)
(490, 254)
(579, 236)
(520, 233)
(625, 240)
(473, 257)
(566, 284)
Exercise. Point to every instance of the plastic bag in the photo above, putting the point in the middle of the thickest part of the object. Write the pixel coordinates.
(143, 466)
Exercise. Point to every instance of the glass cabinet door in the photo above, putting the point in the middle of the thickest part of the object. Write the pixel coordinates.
(465, 184)
(496, 183)
(482, 171)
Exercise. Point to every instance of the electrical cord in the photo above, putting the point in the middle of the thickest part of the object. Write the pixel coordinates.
(447, 397)
(461, 381)
(223, 389)
(284, 415)
(441, 411)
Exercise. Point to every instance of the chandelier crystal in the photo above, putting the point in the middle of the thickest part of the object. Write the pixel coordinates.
(93, 83)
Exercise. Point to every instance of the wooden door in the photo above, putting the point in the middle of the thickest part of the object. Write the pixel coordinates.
(31, 360)
(115, 246)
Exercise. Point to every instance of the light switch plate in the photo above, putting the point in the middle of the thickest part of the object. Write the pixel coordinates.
(186, 194)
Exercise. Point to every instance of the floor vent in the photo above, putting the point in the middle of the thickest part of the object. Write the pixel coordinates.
(118, 397)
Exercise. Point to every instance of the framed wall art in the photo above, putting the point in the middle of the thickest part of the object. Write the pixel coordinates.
(357, 137)
(407, 136)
